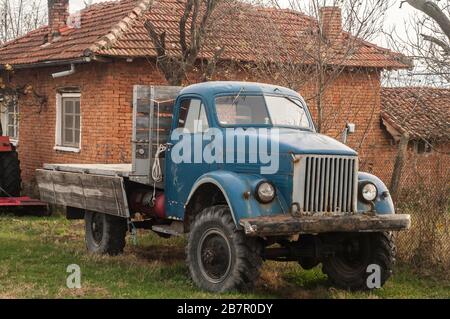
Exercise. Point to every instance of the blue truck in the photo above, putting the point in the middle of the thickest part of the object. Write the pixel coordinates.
(239, 170)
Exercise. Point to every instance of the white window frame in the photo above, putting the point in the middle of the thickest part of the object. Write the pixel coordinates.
(5, 122)
(58, 131)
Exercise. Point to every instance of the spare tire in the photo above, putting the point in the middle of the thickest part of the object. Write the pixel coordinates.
(10, 180)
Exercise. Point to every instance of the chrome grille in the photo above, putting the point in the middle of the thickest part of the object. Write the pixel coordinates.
(325, 184)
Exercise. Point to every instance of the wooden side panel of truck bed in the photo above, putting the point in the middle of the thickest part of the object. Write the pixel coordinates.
(99, 193)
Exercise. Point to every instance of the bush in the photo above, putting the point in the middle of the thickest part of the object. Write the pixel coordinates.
(426, 246)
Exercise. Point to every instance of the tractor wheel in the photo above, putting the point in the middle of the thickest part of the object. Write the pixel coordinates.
(219, 256)
(348, 268)
(10, 180)
(105, 234)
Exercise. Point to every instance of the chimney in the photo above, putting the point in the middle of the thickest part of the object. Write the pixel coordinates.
(331, 22)
(58, 12)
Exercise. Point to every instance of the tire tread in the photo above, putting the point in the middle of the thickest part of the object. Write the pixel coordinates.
(248, 252)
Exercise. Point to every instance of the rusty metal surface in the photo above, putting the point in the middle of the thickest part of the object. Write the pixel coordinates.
(286, 225)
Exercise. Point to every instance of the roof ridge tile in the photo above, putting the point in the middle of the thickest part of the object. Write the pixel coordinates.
(108, 40)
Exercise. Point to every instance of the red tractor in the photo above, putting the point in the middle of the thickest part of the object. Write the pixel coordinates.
(9, 168)
(10, 180)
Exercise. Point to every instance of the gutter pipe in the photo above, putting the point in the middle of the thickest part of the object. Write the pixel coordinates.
(65, 73)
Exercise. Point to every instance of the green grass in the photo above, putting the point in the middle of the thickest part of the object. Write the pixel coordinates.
(34, 254)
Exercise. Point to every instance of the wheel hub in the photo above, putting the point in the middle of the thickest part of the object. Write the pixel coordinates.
(214, 255)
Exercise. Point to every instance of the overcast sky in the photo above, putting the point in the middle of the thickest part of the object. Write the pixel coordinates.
(395, 15)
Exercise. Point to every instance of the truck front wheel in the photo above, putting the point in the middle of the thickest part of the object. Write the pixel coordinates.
(349, 267)
(219, 256)
(105, 234)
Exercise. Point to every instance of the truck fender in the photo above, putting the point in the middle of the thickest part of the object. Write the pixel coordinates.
(383, 203)
(238, 190)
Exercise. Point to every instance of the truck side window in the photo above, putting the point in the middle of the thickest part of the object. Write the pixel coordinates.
(193, 116)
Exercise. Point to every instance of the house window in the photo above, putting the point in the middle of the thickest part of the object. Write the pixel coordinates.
(422, 147)
(68, 132)
(10, 120)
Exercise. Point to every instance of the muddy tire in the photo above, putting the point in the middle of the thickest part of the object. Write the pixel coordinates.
(219, 256)
(104, 234)
(10, 180)
(348, 268)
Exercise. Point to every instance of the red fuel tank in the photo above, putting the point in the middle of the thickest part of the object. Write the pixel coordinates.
(141, 202)
(159, 208)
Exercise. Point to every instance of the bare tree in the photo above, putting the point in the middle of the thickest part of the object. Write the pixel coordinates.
(321, 52)
(427, 42)
(432, 10)
(18, 17)
(194, 28)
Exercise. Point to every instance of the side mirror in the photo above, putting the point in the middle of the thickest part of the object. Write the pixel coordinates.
(349, 129)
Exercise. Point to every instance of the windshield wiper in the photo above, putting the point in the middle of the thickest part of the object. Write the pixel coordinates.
(304, 112)
(237, 96)
(293, 101)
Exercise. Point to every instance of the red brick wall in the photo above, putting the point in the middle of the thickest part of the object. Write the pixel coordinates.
(106, 108)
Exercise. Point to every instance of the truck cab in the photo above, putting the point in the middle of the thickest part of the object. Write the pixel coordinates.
(239, 169)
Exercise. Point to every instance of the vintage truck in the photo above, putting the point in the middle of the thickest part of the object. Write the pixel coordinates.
(314, 208)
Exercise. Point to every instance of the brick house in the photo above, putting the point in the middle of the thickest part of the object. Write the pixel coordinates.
(83, 115)
(424, 114)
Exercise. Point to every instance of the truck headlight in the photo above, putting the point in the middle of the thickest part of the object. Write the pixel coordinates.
(265, 192)
(368, 191)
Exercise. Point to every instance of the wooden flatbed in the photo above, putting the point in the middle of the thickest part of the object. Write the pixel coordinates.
(94, 187)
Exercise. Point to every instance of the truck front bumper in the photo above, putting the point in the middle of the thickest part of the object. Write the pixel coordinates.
(287, 225)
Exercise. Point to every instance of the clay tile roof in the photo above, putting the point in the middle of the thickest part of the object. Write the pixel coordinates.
(116, 29)
(422, 112)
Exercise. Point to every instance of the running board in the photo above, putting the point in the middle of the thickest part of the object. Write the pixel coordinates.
(174, 229)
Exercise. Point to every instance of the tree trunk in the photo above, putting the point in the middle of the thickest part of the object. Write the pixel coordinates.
(398, 166)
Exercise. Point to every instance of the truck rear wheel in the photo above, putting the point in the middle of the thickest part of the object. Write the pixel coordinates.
(219, 256)
(348, 268)
(9, 174)
(105, 234)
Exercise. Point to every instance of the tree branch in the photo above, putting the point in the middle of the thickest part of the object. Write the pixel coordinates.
(159, 40)
(432, 10)
(212, 63)
(182, 25)
(438, 42)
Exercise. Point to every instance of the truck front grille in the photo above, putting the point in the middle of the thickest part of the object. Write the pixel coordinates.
(326, 184)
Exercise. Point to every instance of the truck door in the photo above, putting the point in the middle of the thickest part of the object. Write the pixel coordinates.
(183, 169)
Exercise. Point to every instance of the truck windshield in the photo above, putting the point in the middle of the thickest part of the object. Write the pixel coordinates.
(261, 110)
